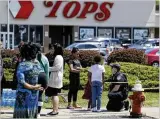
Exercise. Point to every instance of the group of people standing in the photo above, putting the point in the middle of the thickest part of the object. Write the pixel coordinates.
(118, 88)
(35, 75)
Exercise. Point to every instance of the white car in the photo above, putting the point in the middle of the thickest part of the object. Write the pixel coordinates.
(89, 46)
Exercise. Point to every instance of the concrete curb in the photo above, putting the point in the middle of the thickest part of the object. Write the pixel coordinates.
(84, 114)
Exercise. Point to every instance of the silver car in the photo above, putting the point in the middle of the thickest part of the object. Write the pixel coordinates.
(89, 46)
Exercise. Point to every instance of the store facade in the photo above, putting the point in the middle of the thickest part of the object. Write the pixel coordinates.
(64, 22)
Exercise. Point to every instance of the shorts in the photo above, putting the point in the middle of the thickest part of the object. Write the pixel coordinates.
(52, 91)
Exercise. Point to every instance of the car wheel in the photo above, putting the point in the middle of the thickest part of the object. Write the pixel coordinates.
(155, 64)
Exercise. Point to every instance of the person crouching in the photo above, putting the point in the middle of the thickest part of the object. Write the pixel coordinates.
(118, 90)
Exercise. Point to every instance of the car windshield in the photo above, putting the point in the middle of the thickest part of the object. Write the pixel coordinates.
(148, 50)
(139, 42)
(115, 42)
(148, 43)
(105, 42)
(71, 46)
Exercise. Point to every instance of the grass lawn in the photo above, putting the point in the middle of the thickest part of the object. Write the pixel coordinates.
(157, 2)
(151, 100)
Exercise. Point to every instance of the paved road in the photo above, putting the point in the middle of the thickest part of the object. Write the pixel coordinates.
(84, 114)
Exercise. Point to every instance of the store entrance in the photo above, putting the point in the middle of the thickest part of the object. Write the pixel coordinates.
(4, 40)
(61, 34)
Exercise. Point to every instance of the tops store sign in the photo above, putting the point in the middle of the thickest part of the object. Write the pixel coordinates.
(110, 13)
(71, 9)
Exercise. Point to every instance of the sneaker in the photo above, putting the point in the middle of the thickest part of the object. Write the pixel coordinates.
(38, 115)
(98, 110)
(94, 109)
(70, 107)
(53, 113)
(89, 109)
(77, 106)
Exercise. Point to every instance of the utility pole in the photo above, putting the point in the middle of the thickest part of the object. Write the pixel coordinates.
(8, 27)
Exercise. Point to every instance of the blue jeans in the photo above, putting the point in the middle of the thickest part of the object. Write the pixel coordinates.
(96, 94)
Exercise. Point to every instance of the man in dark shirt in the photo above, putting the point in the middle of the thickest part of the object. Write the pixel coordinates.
(118, 90)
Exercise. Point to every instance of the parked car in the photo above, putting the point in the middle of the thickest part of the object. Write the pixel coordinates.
(89, 46)
(106, 41)
(153, 57)
(142, 45)
(126, 42)
(148, 50)
(109, 43)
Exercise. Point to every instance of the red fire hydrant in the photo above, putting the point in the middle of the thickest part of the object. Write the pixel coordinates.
(137, 100)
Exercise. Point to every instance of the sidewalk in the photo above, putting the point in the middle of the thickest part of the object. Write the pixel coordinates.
(84, 114)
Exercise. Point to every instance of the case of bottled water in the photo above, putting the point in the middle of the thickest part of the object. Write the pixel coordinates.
(8, 97)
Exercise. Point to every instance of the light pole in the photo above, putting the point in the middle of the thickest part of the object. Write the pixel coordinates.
(8, 24)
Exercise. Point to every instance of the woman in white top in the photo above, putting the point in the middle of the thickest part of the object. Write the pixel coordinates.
(55, 81)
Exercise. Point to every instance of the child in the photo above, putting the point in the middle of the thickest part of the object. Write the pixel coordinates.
(88, 94)
(96, 79)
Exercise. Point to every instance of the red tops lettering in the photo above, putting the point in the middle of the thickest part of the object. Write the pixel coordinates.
(101, 11)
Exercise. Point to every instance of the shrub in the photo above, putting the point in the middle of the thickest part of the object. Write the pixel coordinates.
(127, 55)
(146, 74)
(8, 63)
(8, 74)
(86, 56)
(9, 53)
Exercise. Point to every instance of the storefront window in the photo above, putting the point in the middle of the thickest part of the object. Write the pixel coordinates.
(87, 32)
(20, 34)
(140, 33)
(123, 33)
(105, 32)
(36, 34)
(4, 28)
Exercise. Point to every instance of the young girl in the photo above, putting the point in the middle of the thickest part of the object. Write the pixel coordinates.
(96, 78)
(88, 94)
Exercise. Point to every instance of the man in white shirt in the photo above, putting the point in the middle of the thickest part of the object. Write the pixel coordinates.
(96, 78)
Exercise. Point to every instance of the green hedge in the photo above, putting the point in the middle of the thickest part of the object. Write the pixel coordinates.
(147, 74)
(86, 56)
(127, 55)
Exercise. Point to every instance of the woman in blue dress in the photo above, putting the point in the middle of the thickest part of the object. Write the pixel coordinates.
(28, 87)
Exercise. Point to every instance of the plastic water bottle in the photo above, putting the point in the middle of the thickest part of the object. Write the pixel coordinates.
(4, 103)
(4, 93)
(13, 102)
(14, 94)
(9, 92)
